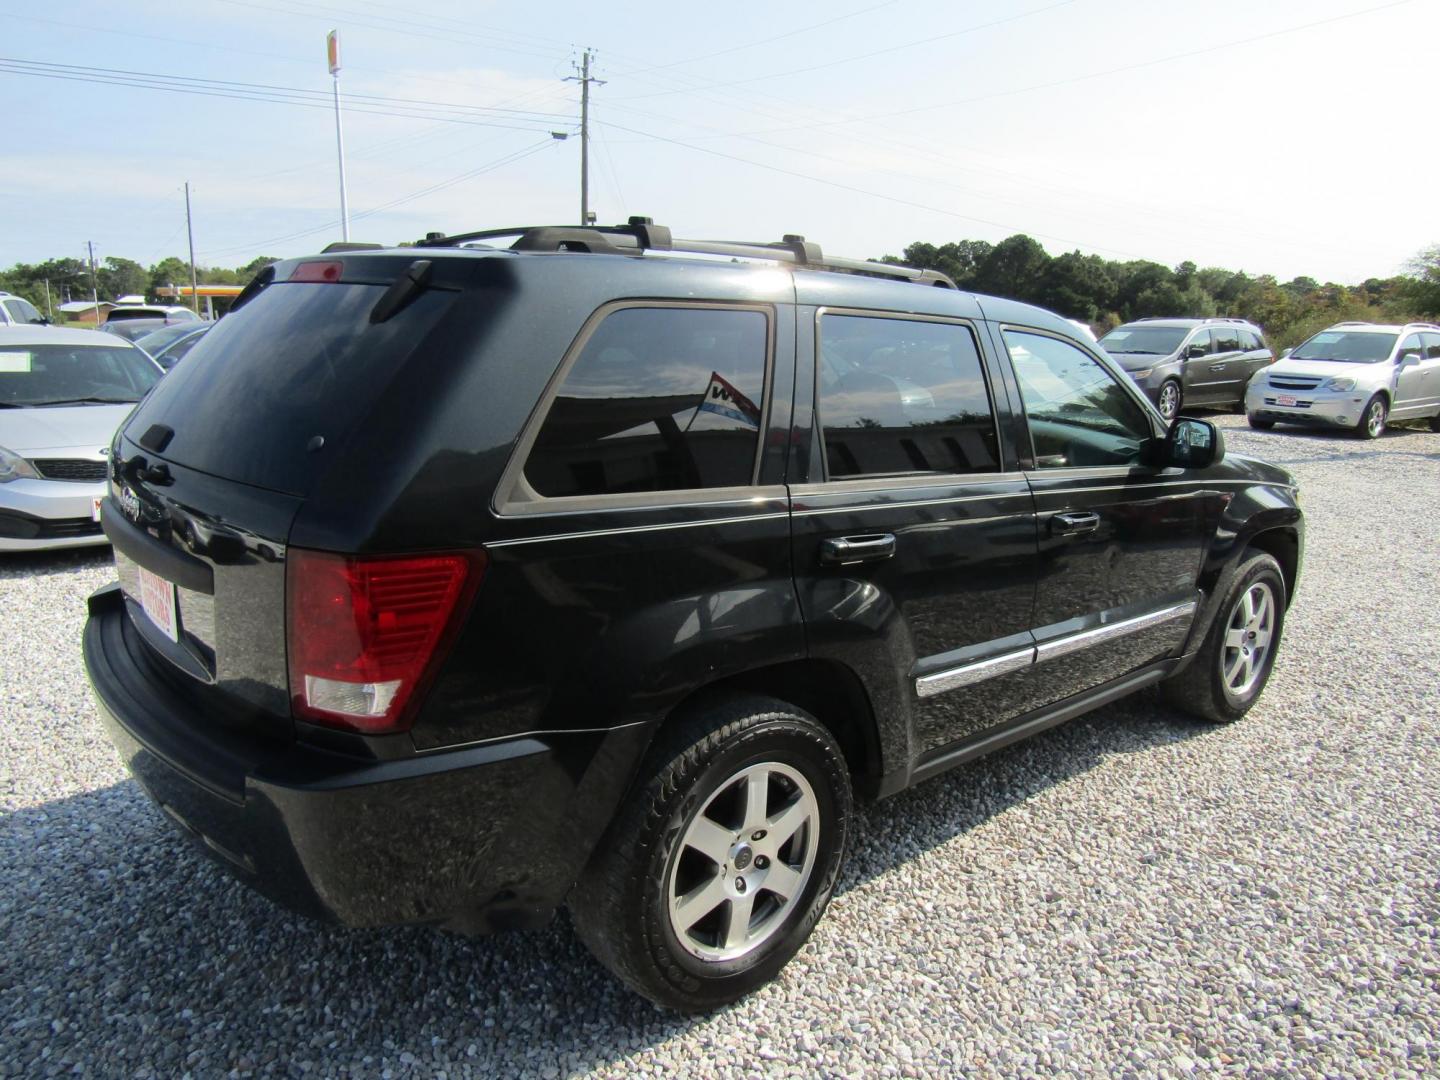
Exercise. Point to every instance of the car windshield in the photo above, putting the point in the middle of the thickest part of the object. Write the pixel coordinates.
(1347, 346)
(40, 375)
(1144, 339)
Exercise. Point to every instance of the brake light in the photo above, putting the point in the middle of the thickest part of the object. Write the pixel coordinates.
(318, 272)
(367, 634)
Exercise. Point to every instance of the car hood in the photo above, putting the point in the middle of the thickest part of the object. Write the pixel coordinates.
(1324, 369)
(84, 428)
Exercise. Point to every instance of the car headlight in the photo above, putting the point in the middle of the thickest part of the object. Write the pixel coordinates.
(1338, 385)
(1143, 373)
(15, 467)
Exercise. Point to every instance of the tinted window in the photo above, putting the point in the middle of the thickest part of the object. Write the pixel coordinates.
(56, 374)
(899, 396)
(22, 311)
(1410, 347)
(1250, 341)
(1079, 414)
(1202, 340)
(659, 399)
(1432, 346)
(1227, 339)
(297, 361)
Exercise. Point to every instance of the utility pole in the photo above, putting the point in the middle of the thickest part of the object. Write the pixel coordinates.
(49, 311)
(332, 51)
(190, 232)
(585, 79)
(94, 282)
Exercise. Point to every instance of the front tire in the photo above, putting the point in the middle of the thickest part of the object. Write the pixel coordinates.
(1258, 423)
(715, 872)
(1372, 420)
(1169, 399)
(1238, 653)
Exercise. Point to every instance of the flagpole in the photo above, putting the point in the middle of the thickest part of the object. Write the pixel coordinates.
(332, 49)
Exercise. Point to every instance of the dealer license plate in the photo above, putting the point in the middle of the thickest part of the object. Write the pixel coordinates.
(1282, 400)
(157, 599)
(95, 507)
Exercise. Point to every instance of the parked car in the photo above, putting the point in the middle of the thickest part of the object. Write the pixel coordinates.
(62, 394)
(17, 311)
(1358, 375)
(169, 312)
(133, 330)
(169, 343)
(460, 583)
(1180, 362)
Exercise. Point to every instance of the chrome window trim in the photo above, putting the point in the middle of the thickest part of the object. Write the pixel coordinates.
(941, 682)
(660, 527)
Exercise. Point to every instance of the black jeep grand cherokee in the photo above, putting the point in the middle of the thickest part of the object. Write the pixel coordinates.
(457, 583)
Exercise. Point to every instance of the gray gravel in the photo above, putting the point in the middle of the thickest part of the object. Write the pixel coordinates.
(1132, 893)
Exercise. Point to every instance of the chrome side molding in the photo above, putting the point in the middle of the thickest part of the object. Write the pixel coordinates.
(940, 682)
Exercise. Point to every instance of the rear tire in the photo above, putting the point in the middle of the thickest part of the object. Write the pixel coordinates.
(1259, 424)
(1238, 653)
(1372, 421)
(1435, 423)
(743, 813)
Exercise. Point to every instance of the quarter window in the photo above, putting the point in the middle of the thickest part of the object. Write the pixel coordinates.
(902, 396)
(659, 399)
(1078, 412)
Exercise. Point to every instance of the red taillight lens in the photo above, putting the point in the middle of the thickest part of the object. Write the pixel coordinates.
(367, 634)
(318, 272)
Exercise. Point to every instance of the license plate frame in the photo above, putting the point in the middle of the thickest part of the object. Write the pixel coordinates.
(1286, 400)
(157, 600)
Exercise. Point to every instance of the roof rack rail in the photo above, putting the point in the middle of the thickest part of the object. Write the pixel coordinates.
(350, 245)
(641, 234)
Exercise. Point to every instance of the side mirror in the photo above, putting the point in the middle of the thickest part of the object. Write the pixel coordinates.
(1194, 352)
(1286, 352)
(1190, 444)
(1409, 358)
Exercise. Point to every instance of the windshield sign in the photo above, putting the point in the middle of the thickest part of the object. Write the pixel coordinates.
(74, 375)
(1144, 339)
(1349, 347)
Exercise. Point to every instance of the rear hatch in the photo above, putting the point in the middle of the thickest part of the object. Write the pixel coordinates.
(212, 468)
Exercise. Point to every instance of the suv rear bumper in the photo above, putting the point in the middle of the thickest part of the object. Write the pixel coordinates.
(483, 838)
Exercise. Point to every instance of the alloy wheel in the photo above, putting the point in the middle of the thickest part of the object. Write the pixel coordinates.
(1248, 635)
(743, 862)
(1375, 419)
(1169, 403)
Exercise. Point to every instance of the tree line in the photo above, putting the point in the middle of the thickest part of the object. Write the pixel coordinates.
(1105, 292)
(70, 279)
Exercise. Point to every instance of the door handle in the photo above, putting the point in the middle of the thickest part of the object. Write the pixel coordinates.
(1074, 524)
(844, 550)
(1218, 367)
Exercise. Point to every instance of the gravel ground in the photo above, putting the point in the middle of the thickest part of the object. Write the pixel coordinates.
(1132, 893)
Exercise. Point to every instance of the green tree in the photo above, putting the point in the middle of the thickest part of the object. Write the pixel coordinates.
(1421, 288)
(169, 271)
(1014, 268)
(121, 277)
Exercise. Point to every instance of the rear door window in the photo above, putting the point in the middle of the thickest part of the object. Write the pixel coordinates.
(1432, 346)
(296, 362)
(1227, 339)
(658, 399)
(901, 396)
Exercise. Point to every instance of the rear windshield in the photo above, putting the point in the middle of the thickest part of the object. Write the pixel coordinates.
(296, 362)
(1144, 339)
(48, 375)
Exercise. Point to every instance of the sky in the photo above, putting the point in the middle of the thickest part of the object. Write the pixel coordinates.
(1291, 137)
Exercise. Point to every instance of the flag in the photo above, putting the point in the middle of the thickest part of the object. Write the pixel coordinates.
(722, 399)
(332, 51)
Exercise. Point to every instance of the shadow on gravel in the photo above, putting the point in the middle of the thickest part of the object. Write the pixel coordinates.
(127, 950)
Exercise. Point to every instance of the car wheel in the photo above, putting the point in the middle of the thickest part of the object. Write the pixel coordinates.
(1258, 423)
(714, 873)
(1168, 401)
(1238, 653)
(1372, 420)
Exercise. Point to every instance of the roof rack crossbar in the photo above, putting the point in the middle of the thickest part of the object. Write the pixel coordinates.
(641, 234)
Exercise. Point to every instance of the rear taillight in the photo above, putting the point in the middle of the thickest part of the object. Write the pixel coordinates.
(366, 634)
